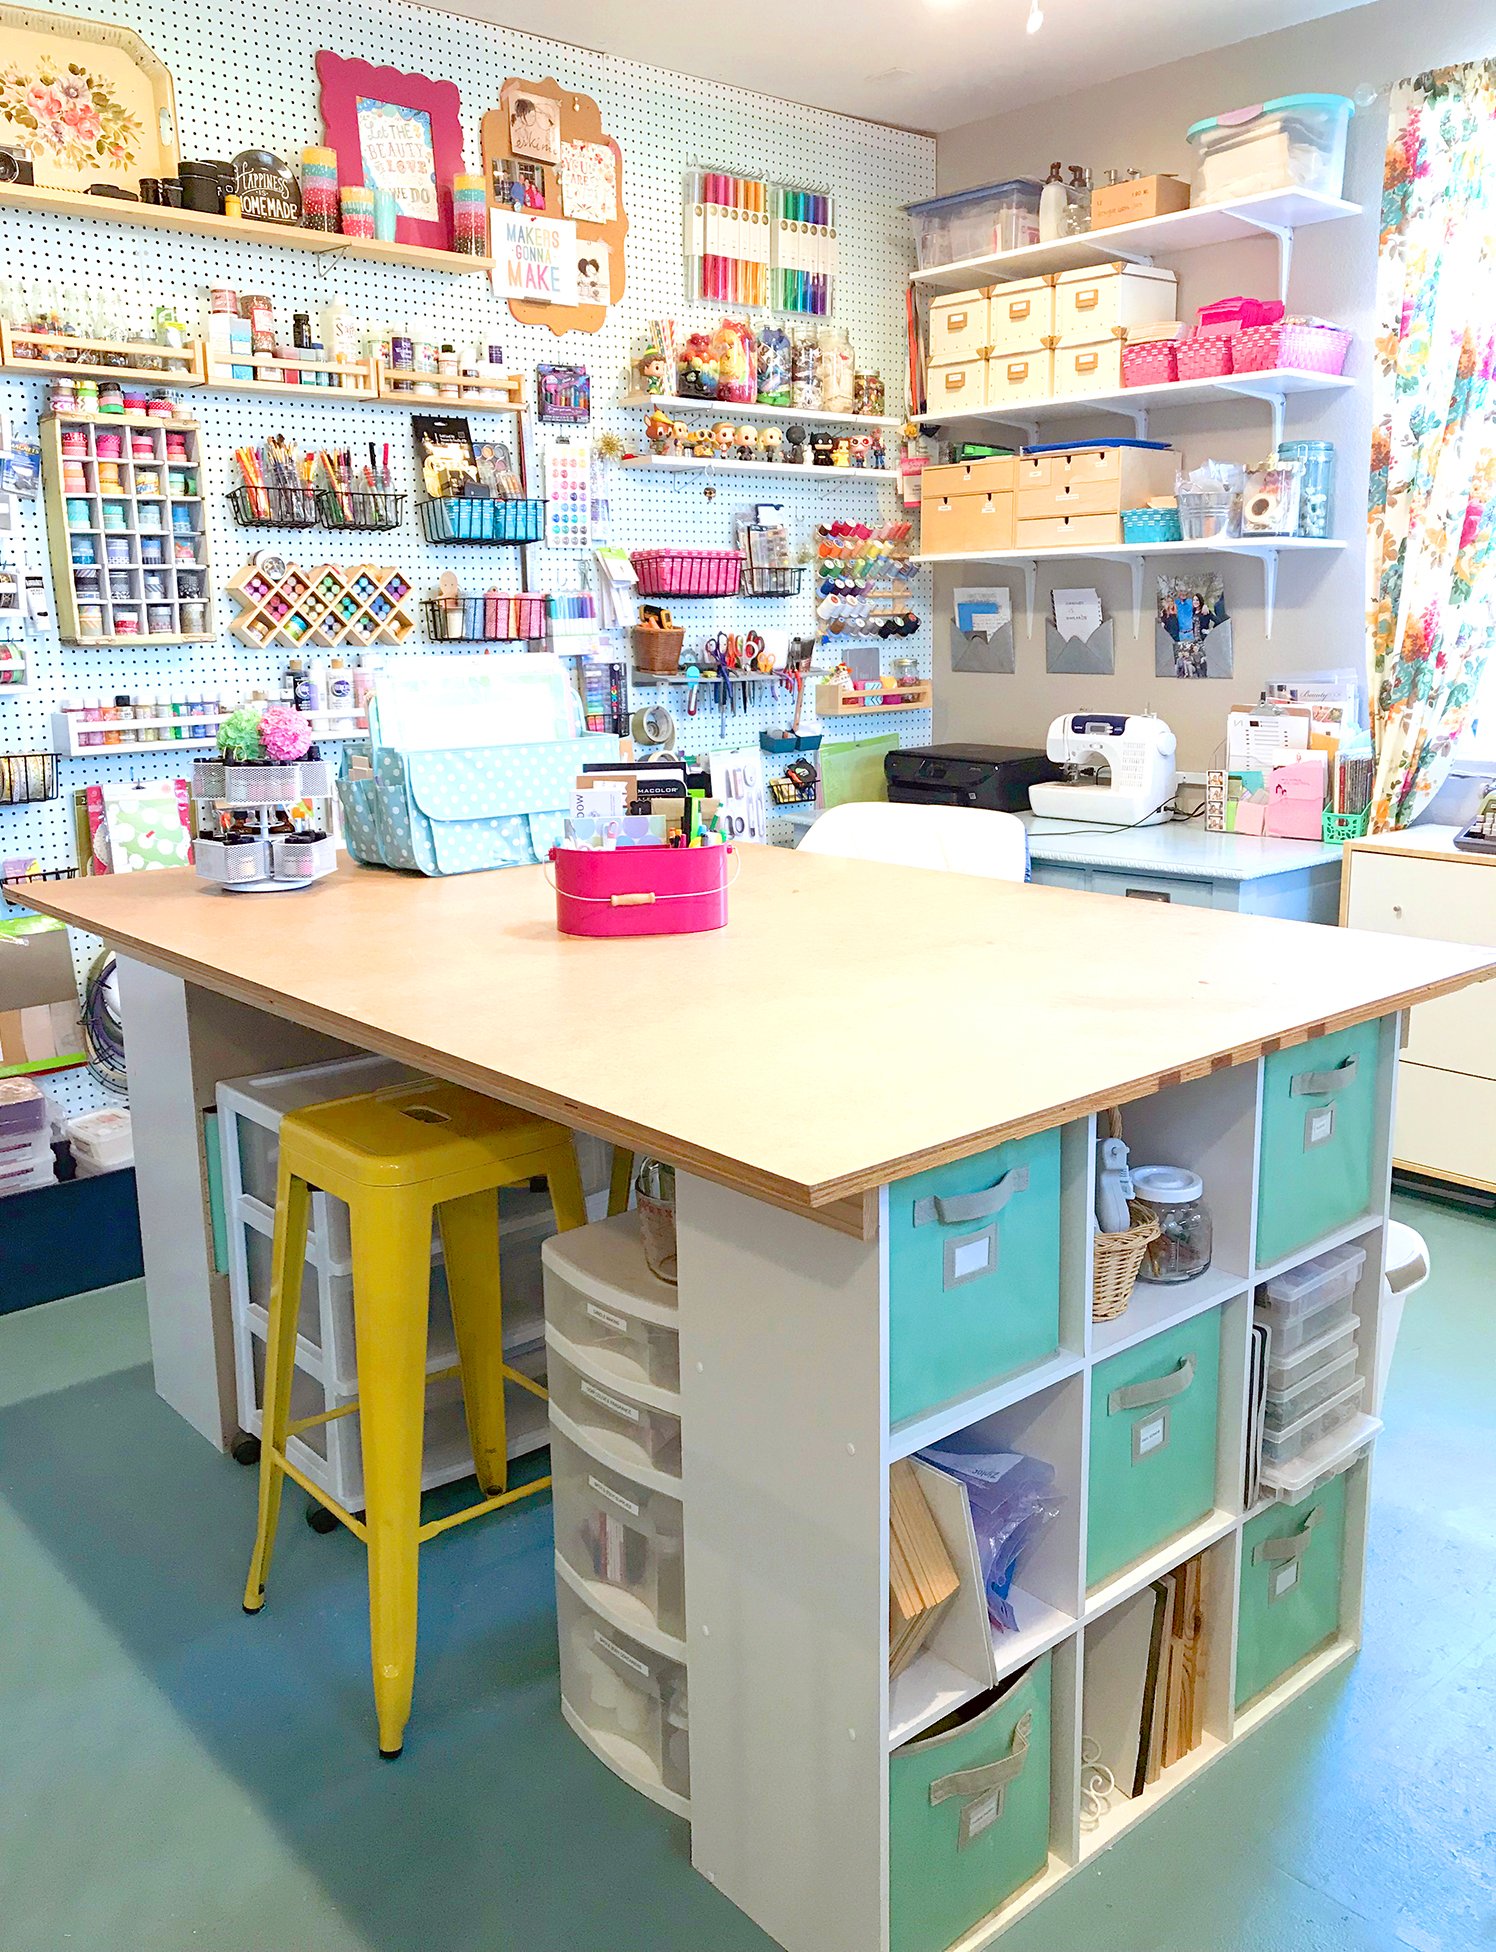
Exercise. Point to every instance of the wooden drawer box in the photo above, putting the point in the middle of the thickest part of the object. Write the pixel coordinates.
(997, 475)
(953, 525)
(1090, 303)
(1446, 1123)
(959, 328)
(957, 388)
(1069, 498)
(1129, 475)
(1021, 314)
(1069, 532)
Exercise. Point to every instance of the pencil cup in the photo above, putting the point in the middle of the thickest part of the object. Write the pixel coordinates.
(386, 216)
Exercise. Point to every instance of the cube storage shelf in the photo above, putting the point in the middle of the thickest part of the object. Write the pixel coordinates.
(796, 1343)
(326, 1378)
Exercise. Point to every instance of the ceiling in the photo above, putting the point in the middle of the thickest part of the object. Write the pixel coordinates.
(922, 64)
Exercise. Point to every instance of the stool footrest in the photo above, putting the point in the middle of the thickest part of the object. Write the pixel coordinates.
(477, 1511)
(314, 1490)
(436, 1376)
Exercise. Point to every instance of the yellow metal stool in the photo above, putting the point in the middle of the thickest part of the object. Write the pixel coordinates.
(396, 1157)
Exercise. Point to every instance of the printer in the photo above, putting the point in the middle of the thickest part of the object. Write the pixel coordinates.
(967, 776)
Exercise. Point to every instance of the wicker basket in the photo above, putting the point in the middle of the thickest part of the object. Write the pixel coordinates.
(1117, 1258)
(658, 651)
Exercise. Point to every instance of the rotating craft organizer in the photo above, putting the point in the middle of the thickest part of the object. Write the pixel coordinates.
(263, 862)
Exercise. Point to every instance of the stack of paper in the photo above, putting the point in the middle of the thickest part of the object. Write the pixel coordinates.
(922, 1581)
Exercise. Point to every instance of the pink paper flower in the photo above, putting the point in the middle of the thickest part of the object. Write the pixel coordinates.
(284, 733)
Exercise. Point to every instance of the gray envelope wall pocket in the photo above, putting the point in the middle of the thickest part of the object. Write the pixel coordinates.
(1091, 657)
(974, 651)
(1211, 657)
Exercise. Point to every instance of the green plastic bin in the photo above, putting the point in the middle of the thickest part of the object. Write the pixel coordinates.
(1318, 1139)
(1153, 1443)
(1292, 1560)
(973, 1272)
(968, 1815)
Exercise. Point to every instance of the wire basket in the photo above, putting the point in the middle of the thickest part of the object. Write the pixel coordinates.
(498, 618)
(26, 777)
(1116, 1259)
(687, 572)
(360, 508)
(1345, 826)
(274, 508)
(461, 519)
(776, 581)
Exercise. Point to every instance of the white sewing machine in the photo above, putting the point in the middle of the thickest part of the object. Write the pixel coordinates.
(1119, 769)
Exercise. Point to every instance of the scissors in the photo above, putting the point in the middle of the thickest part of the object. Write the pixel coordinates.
(716, 650)
(756, 654)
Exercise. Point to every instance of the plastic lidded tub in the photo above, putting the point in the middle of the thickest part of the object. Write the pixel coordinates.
(1313, 1283)
(976, 223)
(1282, 1408)
(1287, 1372)
(23, 1109)
(1284, 1446)
(21, 1179)
(1294, 142)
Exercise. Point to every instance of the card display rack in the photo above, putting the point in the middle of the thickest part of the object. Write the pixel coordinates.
(123, 595)
(354, 604)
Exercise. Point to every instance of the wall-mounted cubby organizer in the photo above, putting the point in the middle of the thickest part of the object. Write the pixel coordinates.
(811, 1361)
(332, 604)
(125, 529)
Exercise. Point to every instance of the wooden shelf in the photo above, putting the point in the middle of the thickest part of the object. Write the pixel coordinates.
(1273, 386)
(1274, 213)
(685, 403)
(850, 706)
(1266, 545)
(234, 230)
(188, 373)
(688, 464)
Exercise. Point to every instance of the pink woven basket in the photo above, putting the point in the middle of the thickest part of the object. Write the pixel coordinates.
(1150, 365)
(1206, 358)
(1291, 342)
(687, 572)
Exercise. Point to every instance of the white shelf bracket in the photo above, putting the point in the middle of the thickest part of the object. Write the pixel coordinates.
(1030, 589)
(1277, 402)
(1284, 235)
(1269, 589)
(1135, 567)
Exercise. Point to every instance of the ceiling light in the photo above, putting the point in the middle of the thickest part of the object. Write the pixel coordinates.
(1036, 16)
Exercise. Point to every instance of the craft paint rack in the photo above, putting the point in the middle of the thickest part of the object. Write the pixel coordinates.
(47, 353)
(477, 392)
(349, 379)
(833, 702)
(71, 733)
(333, 604)
(79, 530)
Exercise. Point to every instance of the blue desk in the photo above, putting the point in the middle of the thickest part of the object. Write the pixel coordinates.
(1296, 879)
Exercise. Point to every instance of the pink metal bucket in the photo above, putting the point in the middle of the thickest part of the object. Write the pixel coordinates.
(641, 890)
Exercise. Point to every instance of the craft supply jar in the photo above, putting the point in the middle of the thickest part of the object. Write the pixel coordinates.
(160, 406)
(469, 216)
(111, 399)
(319, 189)
(194, 619)
(356, 208)
(1175, 1197)
(1316, 463)
(158, 618)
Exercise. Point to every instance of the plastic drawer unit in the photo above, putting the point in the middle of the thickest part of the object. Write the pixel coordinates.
(626, 1700)
(1154, 1410)
(968, 1808)
(602, 1298)
(623, 1535)
(1287, 1445)
(1291, 1562)
(973, 1272)
(1318, 1138)
(634, 1426)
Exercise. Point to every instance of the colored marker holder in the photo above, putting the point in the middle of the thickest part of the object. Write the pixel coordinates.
(803, 251)
(727, 238)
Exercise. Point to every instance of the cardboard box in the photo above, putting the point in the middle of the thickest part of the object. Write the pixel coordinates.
(1130, 203)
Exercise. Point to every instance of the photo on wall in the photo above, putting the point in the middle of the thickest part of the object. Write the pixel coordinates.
(535, 128)
(1193, 632)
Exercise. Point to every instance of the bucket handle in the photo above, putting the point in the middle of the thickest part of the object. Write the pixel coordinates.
(644, 897)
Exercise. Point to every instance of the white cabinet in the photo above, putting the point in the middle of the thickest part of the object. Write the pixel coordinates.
(1418, 883)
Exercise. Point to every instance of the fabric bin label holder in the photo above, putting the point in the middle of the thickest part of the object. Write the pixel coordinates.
(1150, 1434)
(1284, 1558)
(462, 808)
(982, 1790)
(1319, 1120)
(968, 1256)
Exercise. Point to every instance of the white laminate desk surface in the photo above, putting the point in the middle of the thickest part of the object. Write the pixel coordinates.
(852, 1023)
(1180, 847)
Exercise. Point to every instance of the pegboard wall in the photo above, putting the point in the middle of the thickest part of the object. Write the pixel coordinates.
(247, 80)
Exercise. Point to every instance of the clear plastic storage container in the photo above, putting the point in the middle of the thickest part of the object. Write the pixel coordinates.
(1309, 1300)
(601, 1296)
(1294, 142)
(616, 1423)
(623, 1539)
(38, 1171)
(1281, 1447)
(1284, 1408)
(24, 1110)
(631, 1700)
(1287, 1372)
(976, 223)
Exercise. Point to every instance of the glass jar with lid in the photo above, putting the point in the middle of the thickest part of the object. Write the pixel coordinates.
(1175, 1197)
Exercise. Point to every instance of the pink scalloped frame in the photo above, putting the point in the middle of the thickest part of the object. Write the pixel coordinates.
(343, 81)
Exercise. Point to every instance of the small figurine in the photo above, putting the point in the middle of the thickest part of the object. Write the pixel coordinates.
(877, 453)
(682, 436)
(703, 444)
(723, 438)
(821, 449)
(747, 440)
(651, 370)
(862, 449)
(659, 431)
(794, 443)
(841, 454)
(770, 442)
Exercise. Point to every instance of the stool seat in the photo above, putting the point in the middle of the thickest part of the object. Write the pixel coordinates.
(399, 1158)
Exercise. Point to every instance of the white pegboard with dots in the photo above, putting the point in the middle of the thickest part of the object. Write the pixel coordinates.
(238, 88)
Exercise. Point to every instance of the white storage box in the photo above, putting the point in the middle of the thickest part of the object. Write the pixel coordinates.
(957, 388)
(1286, 1373)
(1025, 373)
(1295, 142)
(1283, 1408)
(602, 1298)
(102, 1139)
(1088, 366)
(25, 1111)
(1286, 1446)
(628, 1701)
(958, 328)
(614, 1422)
(37, 1171)
(1021, 314)
(22, 1154)
(622, 1537)
(1089, 304)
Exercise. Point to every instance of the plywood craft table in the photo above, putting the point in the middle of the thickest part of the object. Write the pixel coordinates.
(881, 1089)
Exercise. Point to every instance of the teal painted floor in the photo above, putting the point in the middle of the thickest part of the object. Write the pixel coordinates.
(176, 1777)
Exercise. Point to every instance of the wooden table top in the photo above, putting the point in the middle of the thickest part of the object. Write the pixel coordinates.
(853, 1023)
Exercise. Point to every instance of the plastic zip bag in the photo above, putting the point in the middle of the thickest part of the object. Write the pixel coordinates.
(1013, 1503)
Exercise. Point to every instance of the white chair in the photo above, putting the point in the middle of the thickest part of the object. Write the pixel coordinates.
(961, 840)
(1406, 1268)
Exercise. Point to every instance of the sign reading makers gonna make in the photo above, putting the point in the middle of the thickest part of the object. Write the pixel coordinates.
(535, 258)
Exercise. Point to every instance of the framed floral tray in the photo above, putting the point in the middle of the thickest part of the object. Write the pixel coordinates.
(86, 100)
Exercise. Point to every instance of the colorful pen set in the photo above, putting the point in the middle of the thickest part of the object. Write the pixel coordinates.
(727, 237)
(804, 251)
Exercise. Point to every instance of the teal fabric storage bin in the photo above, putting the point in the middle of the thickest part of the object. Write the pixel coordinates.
(973, 1272)
(968, 1815)
(1154, 1410)
(1318, 1128)
(1292, 1561)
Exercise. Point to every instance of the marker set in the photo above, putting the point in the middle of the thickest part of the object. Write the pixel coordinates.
(727, 238)
(803, 251)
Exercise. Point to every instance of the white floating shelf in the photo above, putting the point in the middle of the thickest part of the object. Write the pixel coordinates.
(1274, 213)
(68, 728)
(724, 409)
(688, 464)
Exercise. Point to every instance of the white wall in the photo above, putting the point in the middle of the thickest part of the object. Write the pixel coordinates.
(1140, 121)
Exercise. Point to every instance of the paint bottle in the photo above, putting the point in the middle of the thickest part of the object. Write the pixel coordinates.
(365, 671)
(124, 708)
(316, 690)
(340, 697)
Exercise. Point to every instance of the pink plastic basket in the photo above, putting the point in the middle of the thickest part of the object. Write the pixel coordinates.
(641, 890)
(1150, 365)
(1292, 342)
(1231, 315)
(687, 572)
(1205, 358)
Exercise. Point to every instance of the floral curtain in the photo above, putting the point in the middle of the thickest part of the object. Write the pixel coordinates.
(1432, 556)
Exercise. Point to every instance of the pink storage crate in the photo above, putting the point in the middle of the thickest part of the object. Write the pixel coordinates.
(1299, 343)
(1205, 358)
(641, 890)
(1150, 365)
(687, 572)
(1232, 315)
